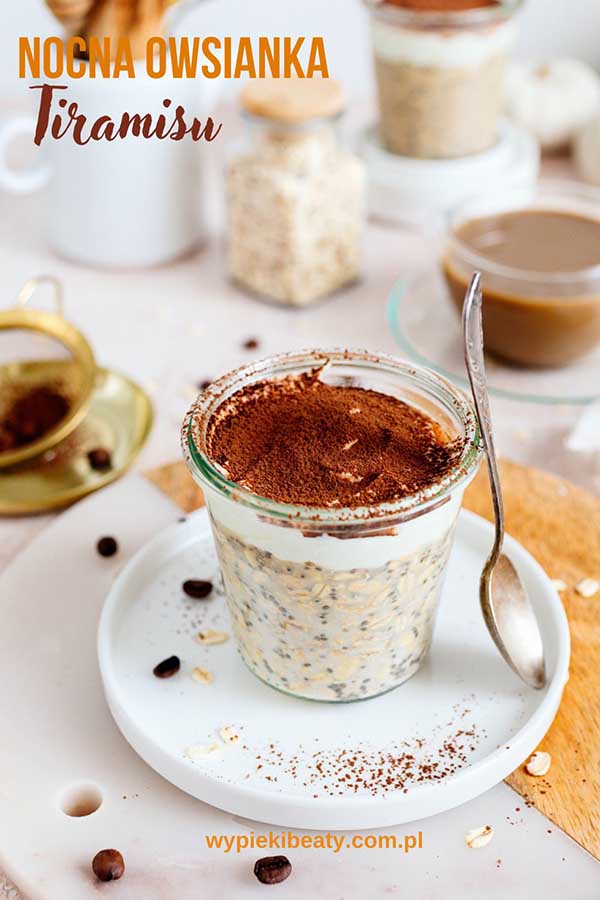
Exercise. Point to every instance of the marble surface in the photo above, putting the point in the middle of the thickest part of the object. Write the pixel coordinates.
(174, 326)
(165, 852)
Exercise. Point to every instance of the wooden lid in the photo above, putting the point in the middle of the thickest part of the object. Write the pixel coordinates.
(293, 99)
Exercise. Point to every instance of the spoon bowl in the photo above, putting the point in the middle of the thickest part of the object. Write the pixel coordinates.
(511, 621)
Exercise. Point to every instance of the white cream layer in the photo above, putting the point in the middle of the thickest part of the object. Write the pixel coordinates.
(289, 544)
(457, 48)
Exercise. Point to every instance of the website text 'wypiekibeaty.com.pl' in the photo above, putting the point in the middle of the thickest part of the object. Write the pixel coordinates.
(331, 841)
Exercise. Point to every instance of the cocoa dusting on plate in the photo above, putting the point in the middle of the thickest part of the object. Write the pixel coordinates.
(300, 440)
(31, 416)
(375, 772)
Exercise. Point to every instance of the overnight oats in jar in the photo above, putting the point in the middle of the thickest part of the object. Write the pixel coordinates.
(440, 67)
(333, 482)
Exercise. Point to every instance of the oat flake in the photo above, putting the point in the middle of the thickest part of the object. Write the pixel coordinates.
(201, 751)
(202, 676)
(210, 638)
(229, 735)
(588, 587)
(479, 837)
(538, 763)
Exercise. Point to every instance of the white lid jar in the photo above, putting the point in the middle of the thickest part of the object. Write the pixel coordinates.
(440, 67)
(295, 195)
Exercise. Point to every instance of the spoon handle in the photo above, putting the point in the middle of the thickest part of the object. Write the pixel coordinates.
(474, 360)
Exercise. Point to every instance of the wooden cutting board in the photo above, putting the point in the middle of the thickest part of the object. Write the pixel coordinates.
(560, 526)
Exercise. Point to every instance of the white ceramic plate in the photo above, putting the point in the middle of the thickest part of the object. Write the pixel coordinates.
(465, 718)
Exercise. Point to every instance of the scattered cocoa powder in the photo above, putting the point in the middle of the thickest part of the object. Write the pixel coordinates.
(300, 440)
(32, 415)
(376, 772)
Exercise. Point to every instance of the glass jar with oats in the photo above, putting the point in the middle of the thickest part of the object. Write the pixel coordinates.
(333, 480)
(440, 68)
(295, 195)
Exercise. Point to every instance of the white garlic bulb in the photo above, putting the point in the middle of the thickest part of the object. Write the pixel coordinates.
(552, 101)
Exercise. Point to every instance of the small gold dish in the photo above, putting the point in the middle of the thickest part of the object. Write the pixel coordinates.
(70, 366)
(119, 419)
(56, 407)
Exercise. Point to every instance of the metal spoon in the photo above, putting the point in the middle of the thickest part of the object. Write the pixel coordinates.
(504, 602)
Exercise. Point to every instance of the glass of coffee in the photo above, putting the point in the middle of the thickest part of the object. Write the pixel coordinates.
(540, 265)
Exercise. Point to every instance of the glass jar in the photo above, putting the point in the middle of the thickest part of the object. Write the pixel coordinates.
(440, 70)
(335, 604)
(532, 316)
(296, 208)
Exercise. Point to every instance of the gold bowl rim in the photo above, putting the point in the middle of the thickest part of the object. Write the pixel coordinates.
(56, 326)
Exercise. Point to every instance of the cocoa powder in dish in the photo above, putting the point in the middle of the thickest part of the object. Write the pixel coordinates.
(300, 440)
(32, 415)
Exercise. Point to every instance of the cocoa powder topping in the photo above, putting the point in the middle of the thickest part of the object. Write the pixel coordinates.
(299, 440)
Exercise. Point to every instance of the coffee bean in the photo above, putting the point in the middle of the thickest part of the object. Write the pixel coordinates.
(203, 385)
(197, 589)
(168, 667)
(99, 459)
(250, 344)
(108, 865)
(272, 869)
(107, 546)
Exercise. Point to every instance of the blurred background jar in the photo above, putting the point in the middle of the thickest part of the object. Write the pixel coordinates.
(295, 195)
(440, 67)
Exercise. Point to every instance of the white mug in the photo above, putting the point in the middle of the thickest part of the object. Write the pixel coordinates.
(129, 202)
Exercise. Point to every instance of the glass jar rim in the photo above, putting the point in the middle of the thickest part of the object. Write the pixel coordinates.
(208, 473)
(562, 188)
(483, 15)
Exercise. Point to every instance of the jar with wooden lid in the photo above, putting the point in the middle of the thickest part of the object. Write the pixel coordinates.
(295, 195)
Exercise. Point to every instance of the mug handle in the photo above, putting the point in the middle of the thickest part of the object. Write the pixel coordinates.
(12, 180)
